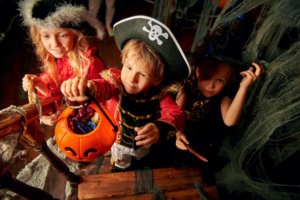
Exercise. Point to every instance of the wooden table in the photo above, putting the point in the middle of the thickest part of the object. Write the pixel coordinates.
(176, 183)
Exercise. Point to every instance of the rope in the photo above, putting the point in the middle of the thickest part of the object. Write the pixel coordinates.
(144, 184)
(17, 153)
(19, 110)
(199, 188)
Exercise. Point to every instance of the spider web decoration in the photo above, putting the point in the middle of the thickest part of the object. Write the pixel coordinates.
(264, 148)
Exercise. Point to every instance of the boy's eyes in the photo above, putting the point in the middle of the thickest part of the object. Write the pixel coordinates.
(220, 80)
(141, 74)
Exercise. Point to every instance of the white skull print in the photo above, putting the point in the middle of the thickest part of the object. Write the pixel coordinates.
(154, 33)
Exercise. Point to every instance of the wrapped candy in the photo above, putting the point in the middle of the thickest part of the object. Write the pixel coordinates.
(81, 127)
(92, 125)
(85, 113)
(95, 118)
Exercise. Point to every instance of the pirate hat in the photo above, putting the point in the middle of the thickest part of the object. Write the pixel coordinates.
(60, 14)
(159, 37)
(225, 45)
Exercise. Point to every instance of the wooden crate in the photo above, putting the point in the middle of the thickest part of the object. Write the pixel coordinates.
(176, 183)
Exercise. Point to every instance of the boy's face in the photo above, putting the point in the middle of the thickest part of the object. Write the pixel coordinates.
(58, 42)
(212, 81)
(137, 79)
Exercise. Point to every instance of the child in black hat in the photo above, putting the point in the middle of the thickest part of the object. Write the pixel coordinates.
(206, 97)
(138, 95)
(58, 29)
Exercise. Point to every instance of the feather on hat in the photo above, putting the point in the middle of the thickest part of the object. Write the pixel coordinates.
(60, 14)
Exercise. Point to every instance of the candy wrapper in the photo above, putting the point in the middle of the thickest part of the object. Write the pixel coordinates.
(81, 127)
(92, 125)
(95, 118)
(85, 113)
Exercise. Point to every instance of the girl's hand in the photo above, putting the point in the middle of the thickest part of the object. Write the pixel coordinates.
(181, 141)
(35, 80)
(74, 89)
(148, 134)
(250, 77)
(52, 118)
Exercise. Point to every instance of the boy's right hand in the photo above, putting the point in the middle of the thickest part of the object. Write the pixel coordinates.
(181, 140)
(74, 89)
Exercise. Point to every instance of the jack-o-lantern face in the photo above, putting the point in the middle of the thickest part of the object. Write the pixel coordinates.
(89, 146)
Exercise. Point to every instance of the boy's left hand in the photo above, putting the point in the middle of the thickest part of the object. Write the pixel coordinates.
(250, 77)
(147, 135)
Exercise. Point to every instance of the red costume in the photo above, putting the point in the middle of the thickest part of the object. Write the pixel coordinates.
(109, 93)
(66, 72)
(132, 111)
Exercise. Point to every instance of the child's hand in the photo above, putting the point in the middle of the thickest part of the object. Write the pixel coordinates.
(250, 77)
(74, 89)
(181, 141)
(147, 135)
(52, 118)
(35, 80)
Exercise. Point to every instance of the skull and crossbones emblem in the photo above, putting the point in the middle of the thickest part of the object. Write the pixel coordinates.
(154, 33)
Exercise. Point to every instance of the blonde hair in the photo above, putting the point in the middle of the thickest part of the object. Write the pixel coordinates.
(77, 59)
(143, 55)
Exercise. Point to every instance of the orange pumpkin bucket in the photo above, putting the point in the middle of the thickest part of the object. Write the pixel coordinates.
(89, 146)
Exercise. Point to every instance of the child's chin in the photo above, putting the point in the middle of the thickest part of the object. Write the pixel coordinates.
(131, 92)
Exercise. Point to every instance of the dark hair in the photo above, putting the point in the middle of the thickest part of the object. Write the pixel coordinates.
(190, 84)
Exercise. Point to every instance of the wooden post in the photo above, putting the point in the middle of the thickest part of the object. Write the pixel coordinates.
(38, 144)
(7, 181)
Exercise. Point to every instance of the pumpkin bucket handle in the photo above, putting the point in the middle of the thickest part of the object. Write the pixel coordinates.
(76, 105)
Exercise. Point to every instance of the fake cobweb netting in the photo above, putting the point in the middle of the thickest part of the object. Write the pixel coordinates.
(264, 148)
(35, 172)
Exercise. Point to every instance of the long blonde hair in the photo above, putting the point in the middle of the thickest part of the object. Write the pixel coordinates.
(77, 59)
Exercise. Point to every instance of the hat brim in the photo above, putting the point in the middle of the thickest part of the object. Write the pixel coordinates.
(236, 64)
(142, 28)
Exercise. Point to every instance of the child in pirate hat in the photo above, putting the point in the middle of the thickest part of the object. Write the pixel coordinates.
(138, 95)
(58, 29)
(206, 97)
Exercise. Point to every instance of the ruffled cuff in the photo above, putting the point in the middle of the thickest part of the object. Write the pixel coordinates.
(166, 130)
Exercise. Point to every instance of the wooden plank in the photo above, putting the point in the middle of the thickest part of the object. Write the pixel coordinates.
(10, 122)
(192, 193)
(172, 181)
(106, 166)
(173, 195)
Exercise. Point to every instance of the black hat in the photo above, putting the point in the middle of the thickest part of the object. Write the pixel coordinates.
(159, 37)
(60, 14)
(225, 45)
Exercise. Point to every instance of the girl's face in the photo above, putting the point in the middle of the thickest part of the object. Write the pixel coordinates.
(59, 42)
(137, 79)
(211, 81)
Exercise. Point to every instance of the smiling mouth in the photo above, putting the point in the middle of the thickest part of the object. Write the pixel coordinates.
(130, 86)
(57, 50)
